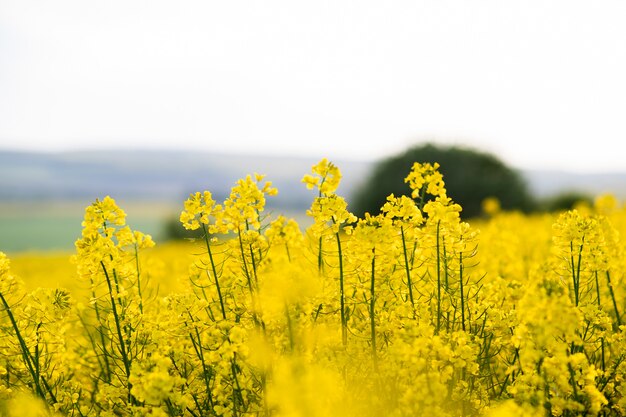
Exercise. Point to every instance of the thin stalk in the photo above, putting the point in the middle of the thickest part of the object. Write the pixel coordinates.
(217, 282)
(406, 266)
(36, 358)
(266, 408)
(170, 408)
(233, 370)
(116, 316)
(576, 270)
(603, 355)
(580, 256)
(245, 263)
(505, 383)
(422, 198)
(185, 374)
(320, 263)
(462, 293)
(485, 360)
(138, 278)
(288, 253)
(255, 317)
(319, 256)
(94, 345)
(438, 326)
(28, 359)
(606, 379)
(117, 285)
(372, 311)
(128, 330)
(76, 406)
(599, 306)
(412, 261)
(573, 383)
(344, 324)
(289, 328)
(547, 405)
(206, 374)
(105, 353)
(254, 271)
(446, 273)
(617, 315)
(573, 268)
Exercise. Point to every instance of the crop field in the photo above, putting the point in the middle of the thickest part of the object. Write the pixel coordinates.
(409, 312)
(55, 225)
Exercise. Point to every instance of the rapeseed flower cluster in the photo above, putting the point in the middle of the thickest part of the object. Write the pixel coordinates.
(410, 311)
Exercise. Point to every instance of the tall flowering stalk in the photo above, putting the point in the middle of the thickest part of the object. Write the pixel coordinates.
(446, 242)
(240, 213)
(372, 246)
(406, 216)
(107, 259)
(202, 212)
(330, 214)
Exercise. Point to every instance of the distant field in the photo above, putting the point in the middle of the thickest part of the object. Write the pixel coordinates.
(50, 226)
(37, 226)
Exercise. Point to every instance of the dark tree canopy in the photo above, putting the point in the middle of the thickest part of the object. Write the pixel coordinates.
(566, 200)
(470, 177)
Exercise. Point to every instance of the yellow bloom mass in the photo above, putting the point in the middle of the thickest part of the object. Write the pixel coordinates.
(409, 312)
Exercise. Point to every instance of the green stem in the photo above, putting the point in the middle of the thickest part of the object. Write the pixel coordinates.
(288, 253)
(289, 329)
(406, 266)
(233, 370)
(344, 324)
(446, 273)
(138, 279)
(254, 271)
(573, 383)
(245, 263)
(462, 292)
(320, 263)
(422, 198)
(319, 256)
(597, 289)
(105, 353)
(438, 326)
(116, 316)
(617, 315)
(36, 358)
(603, 355)
(372, 311)
(573, 268)
(217, 282)
(254, 264)
(576, 269)
(255, 317)
(26, 355)
(206, 373)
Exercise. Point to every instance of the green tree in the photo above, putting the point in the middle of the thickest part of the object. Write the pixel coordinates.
(566, 200)
(470, 177)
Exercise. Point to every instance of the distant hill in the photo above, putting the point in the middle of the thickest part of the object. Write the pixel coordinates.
(169, 176)
(43, 195)
(544, 183)
(156, 175)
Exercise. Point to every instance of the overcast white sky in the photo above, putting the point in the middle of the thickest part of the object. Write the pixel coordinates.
(540, 83)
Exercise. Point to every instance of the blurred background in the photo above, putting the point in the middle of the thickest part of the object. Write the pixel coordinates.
(148, 101)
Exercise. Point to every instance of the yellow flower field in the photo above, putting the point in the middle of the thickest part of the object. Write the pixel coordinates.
(407, 313)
